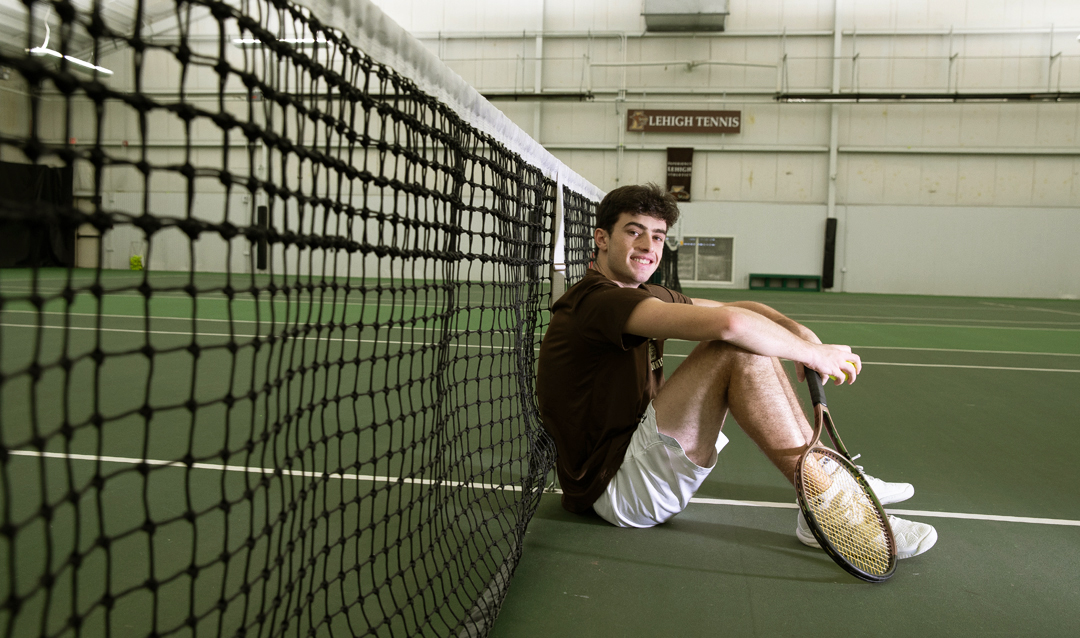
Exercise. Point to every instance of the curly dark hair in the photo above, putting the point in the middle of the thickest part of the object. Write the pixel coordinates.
(648, 199)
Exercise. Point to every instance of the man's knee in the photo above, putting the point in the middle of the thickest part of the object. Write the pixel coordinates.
(731, 355)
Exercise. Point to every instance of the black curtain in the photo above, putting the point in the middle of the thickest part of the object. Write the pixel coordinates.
(37, 224)
(828, 267)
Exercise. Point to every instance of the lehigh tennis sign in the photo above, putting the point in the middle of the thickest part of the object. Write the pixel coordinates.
(680, 168)
(648, 121)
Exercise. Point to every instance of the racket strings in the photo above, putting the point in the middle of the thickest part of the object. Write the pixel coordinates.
(845, 514)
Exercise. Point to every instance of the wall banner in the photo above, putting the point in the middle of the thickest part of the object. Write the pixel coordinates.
(654, 121)
(680, 165)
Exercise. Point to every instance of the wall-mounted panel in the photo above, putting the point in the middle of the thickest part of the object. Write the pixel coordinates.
(1051, 179)
(979, 124)
(768, 238)
(1014, 179)
(903, 123)
(863, 179)
(800, 178)
(975, 180)
(758, 177)
(901, 179)
(1023, 252)
(940, 175)
(803, 125)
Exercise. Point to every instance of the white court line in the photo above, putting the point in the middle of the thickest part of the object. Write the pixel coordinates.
(1018, 352)
(832, 303)
(319, 297)
(295, 320)
(932, 365)
(334, 304)
(491, 486)
(329, 300)
(261, 470)
(927, 513)
(331, 339)
(1031, 308)
(808, 317)
(266, 320)
(183, 278)
(934, 325)
(327, 338)
(417, 329)
(916, 349)
(952, 365)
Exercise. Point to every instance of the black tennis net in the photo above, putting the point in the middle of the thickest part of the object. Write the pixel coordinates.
(579, 215)
(268, 323)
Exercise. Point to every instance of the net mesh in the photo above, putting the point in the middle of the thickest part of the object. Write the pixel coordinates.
(579, 213)
(667, 275)
(844, 513)
(290, 390)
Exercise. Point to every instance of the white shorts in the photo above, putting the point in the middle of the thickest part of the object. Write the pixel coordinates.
(655, 481)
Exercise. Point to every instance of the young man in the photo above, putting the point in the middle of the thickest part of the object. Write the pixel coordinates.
(635, 448)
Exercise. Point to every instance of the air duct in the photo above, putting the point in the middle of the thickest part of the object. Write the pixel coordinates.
(684, 15)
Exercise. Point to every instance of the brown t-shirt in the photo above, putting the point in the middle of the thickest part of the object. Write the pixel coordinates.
(594, 381)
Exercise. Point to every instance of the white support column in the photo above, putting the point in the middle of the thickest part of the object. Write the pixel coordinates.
(834, 128)
(834, 116)
(538, 71)
(558, 252)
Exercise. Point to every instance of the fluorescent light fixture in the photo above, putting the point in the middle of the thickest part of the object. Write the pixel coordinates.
(862, 98)
(45, 50)
(74, 60)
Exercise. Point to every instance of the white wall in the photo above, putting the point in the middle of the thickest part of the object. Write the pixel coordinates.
(953, 174)
(769, 239)
(932, 198)
(961, 250)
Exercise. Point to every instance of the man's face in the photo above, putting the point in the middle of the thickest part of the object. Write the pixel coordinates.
(630, 254)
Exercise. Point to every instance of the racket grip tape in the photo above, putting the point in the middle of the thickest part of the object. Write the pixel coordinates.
(817, 389)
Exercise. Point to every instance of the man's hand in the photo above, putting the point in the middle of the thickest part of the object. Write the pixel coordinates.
(850, 364)
(831, 360)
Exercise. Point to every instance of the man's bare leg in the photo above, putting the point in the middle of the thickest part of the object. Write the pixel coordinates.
(717, 378)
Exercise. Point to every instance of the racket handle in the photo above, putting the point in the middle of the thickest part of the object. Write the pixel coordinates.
(817, 390)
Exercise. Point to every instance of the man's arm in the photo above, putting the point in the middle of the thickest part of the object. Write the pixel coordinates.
(772, 314)
(747, 328)
(769, 313)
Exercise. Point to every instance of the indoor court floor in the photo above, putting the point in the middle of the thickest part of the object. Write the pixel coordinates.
(975, 401)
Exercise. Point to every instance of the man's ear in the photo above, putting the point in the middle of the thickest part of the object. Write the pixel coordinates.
(600, 236)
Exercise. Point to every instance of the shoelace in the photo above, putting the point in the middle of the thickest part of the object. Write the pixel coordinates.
(859, 467)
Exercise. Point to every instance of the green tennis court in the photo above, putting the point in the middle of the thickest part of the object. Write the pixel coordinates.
(207, 459)
(974, 401)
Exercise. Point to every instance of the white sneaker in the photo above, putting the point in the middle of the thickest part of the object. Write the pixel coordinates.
(912, 538)
(888, 493)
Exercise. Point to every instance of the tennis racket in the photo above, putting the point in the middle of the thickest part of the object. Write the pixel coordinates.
(841, 510)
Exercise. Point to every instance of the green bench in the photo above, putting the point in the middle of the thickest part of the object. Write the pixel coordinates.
(804, 283)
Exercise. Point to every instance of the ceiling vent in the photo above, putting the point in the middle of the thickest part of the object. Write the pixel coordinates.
(684, 15)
